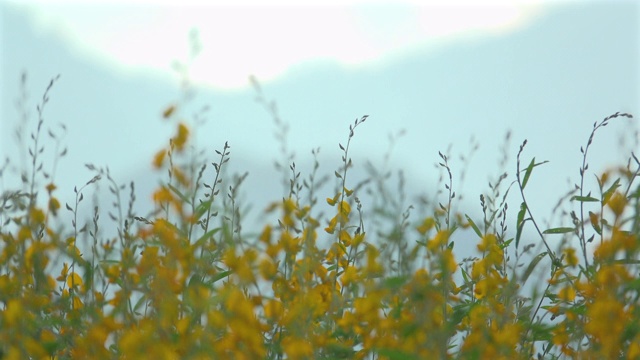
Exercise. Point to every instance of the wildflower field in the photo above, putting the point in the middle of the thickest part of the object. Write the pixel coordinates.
(331, 277)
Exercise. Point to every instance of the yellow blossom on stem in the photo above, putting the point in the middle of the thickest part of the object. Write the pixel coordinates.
(617, 204)
(439, 240)
(426, 225)
(570, 256)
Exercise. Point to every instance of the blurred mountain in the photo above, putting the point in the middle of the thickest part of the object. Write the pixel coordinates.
(548, 83)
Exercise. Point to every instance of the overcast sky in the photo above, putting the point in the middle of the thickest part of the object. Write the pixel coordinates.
(266, 40)
(443, 74)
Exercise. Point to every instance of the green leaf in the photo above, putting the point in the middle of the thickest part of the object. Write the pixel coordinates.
(88, 277)
(195, 280)
(505, 244)
(219, 276)
(520, 222)
(339, 351)
(139, 303)
(180, 195)
(633, 285)
(626, 261)
(584, 198)
(465, 275)
(108, 261)
(595, 224)
(541, 332)
(206, 236)
(528, 173)
(202, 208)
(609, 192)
(532, 266)
(473, 226)
(459, 313)
(395, 282)
(559, 230)
(528, 170)
(579, 310)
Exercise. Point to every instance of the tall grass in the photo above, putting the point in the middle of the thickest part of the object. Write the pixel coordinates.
(364, 281)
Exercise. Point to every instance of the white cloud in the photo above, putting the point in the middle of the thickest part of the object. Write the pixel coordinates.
(266, 41)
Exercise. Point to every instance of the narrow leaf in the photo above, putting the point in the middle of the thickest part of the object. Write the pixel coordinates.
(180, 195)
(532, 164)
(558, 230)
(607, 194)
(465, 276)
(528, 173)
(520, 222)
(626, 261)
(474, 226)
(202, 208)
(584, 198)
(139, 303)
(595, 222)
(532, 266)
(220, 275)
(206, 236)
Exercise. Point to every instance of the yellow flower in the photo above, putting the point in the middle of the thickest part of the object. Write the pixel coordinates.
(570, 257)
(51, 187)
(168, 111)
(13, 312)
(449, 261)
(265, 236)
(567, 293)
(345, 237)
(334, 200)
(617, 203)
(332, 225)
(344, 211)
(273, 309)
(162, 195)
(180, 140)
(480, 290)
(349, 276)
(158, 159)
(438, 241)
(634, 349)
(37, 216)
(297, 348)
(54, 206)
(487, 242)
(74, 280)
(24, 233)
(268, 269)
(426, 225)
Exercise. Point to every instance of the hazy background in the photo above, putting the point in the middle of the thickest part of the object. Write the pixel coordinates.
(445, 74)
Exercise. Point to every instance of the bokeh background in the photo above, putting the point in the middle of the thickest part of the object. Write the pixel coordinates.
(432, 77)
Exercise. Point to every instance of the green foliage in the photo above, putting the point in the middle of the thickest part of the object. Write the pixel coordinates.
(186, 282)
